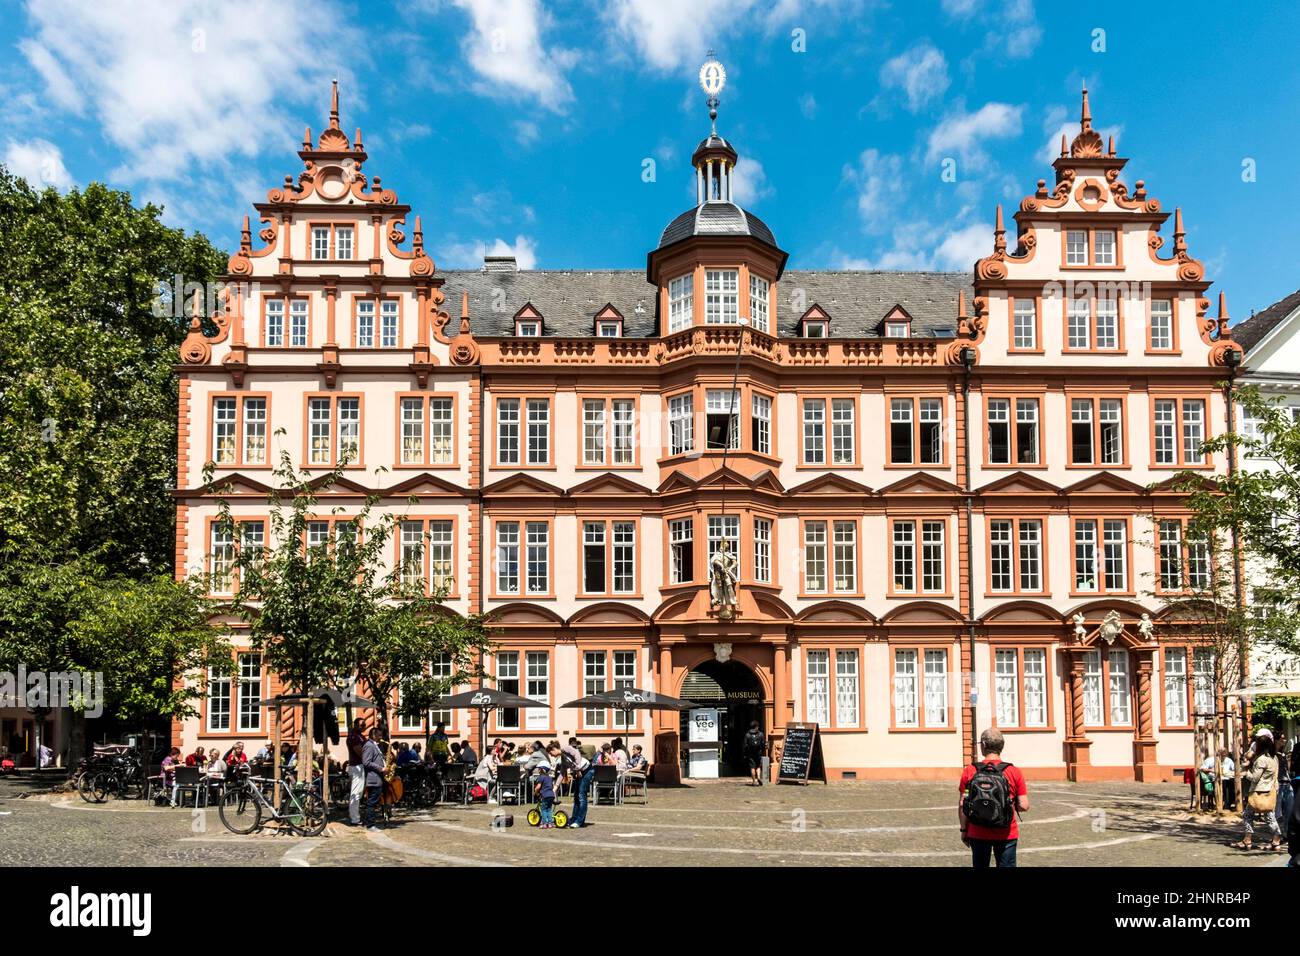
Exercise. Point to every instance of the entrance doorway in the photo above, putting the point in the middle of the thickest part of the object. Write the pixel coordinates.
(737, 694)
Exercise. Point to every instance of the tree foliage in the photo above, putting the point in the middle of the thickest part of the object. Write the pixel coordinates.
(87, 390)
(88, 413)
(337, 612)
(1260, 506)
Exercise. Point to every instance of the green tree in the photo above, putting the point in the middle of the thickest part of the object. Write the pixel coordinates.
(1251, 519)
(1259, 508)
(88, 410)
(336, 612)
(87, 389)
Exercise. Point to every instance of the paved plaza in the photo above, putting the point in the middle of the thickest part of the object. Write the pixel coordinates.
(721, 823)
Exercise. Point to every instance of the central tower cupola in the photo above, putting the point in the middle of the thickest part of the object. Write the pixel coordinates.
(716, 263)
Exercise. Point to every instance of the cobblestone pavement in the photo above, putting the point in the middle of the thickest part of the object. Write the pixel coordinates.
(722, 823)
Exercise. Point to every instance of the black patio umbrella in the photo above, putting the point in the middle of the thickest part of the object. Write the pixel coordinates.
(628, 699)
(485, 699)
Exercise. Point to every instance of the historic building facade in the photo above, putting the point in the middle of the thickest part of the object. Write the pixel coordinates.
(942, 488)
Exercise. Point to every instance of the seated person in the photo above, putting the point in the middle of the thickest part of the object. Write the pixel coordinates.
(637, 763)
(484, 772)
(216, 767)
(169, 765)
(236, 755)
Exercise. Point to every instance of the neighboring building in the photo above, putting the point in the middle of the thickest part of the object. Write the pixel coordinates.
(925, 475)
(1271, 362)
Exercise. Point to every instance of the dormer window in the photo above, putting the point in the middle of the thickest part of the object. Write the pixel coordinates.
(528, 328)
(816, 329)
(609, 329)
(896, 324)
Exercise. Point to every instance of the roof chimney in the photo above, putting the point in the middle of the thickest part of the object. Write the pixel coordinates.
(500, 264)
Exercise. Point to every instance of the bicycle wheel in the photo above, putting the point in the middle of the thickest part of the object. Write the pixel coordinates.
(311, 817)
(561, 819)
(102, 786)
(240, 812)
(85, 781)
(534, 817)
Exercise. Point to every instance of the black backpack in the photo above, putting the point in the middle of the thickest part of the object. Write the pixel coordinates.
(988, 796)
(755, 742)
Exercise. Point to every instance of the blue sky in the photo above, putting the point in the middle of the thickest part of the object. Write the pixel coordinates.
(527, 125)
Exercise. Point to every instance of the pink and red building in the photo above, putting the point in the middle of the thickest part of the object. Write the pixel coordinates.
(940, 485)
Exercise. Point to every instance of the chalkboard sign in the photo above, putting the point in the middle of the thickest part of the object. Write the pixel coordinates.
(801, 755)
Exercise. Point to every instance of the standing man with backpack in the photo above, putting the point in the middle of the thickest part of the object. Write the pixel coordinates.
(992, 793)
(755, 744)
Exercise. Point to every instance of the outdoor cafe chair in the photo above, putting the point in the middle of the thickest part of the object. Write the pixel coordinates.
(605, 781)
(635, 783)
(191, 780)
(509, 783)
(453, 781)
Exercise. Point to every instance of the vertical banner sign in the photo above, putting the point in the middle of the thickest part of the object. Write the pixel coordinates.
(703, 724)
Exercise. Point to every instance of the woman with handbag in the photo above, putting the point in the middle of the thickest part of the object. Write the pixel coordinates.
(1262, 802)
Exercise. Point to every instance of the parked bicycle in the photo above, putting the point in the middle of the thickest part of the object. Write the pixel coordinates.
(245, 806)
(120, 775)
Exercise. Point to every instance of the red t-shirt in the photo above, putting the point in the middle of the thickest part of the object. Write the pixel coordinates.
(1016, 783)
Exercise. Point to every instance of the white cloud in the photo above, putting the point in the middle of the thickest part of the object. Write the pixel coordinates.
(749, 183)
(470, 254)
(919, 246)
(921, 73)
(960, 8)
(526, 132)
(808, 105)
(188, 92)
(877, 177)
(674, 33)
(1020, 31)
(505, 48)
(961, 247)
(962, 133)
(39, 162)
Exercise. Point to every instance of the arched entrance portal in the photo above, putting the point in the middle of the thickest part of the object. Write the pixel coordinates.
(737, 693)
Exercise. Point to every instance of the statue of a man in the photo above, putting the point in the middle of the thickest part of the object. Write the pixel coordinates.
(723, 575)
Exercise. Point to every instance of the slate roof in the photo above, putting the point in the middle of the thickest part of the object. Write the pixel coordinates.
(856, 301)
(716, 219)
(1250, 332)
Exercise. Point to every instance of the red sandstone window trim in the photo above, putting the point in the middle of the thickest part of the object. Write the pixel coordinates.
(831, 648)
(1049, 709)
(427, 398)
(425, 520)
(1095, 398)
(922, 725)
(915, 399)
(1044, 552)
(608, 523)
(240, 422)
